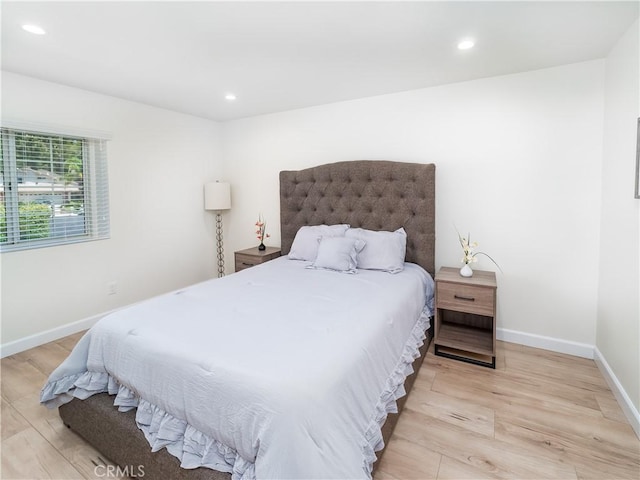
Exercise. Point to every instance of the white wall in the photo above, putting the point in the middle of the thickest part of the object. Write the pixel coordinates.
(161, 237)
(618, 328)
(518, 165)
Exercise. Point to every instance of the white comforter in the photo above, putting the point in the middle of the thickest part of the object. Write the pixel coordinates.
(277, 371)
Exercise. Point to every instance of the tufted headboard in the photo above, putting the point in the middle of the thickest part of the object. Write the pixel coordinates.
(377, 195)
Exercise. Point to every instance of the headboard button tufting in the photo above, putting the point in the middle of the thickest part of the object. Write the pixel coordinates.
(379, 195)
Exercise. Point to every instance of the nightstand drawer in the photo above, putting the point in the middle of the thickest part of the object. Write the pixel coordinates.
(246, 261)
(465, 298)
(252, 256)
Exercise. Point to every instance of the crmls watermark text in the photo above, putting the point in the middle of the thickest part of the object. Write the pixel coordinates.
(116, 471)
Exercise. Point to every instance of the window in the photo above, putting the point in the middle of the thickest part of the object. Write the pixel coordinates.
(53, 189)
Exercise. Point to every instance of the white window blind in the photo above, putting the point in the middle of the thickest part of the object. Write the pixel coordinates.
(53, 189)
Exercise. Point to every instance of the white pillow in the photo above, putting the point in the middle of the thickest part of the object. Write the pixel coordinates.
(338, 253)
(383, 251)
(305, 243)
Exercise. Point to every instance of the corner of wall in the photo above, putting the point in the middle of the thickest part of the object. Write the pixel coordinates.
(618, 303)
(627, 406)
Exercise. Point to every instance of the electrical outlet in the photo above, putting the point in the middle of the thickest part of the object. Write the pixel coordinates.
(112, 288)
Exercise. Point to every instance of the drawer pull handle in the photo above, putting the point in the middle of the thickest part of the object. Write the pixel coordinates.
(248, 264)
(468, 299)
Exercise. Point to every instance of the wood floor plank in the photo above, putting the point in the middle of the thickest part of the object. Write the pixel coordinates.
(12, 421)
(538, 361)
(475, 418)
(592, 441)
(69, 342)
(452, 469)
(492, 457)
(443, 364)
(501, 363)
(425, 377)
(497, 390)
(91, 463)
(382, 475)
(73, 448)
(599, 471)
(609, 407)
(19, 379)
(544, 355)
(594, 428)
(558, 448)
(27, 455)
(45, 358)
(408, 461)
(45, 420)
(585, 377)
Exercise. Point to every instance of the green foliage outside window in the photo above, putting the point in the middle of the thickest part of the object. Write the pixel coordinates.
(3, 225)
(34, 221)
(62, 156)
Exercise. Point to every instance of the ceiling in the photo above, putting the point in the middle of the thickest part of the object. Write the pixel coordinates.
(276, 56)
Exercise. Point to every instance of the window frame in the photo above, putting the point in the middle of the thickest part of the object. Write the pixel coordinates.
(95, 185)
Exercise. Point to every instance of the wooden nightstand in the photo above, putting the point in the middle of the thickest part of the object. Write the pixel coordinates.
(252, 256)
(465, 323)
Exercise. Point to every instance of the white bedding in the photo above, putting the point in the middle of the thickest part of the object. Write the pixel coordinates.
(277, 371)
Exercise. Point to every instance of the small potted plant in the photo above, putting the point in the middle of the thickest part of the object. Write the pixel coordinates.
(261, 234)
(468, 249)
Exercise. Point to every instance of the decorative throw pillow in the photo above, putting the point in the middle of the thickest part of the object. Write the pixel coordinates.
(338, 253)
(305, 243)
(383, 251)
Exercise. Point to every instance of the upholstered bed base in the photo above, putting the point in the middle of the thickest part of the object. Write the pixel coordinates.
(377, 195)
(116, 436)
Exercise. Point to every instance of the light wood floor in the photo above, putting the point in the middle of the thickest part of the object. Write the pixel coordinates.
(538, 415)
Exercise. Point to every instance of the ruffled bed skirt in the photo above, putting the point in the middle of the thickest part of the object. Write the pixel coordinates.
(195, 449)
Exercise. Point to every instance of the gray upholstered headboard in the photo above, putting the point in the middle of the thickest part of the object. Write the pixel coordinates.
(377, 195)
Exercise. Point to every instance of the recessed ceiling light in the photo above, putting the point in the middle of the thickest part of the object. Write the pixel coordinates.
(466, 44)
(230, 96)
(34, 29)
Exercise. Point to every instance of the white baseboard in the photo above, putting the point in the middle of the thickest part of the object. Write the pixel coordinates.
(47, 336)
(546, 343)
(627, 406)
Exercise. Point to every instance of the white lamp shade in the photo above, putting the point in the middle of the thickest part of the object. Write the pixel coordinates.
(217, 196)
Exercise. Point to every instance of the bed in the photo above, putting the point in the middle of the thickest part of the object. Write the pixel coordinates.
(374, 195)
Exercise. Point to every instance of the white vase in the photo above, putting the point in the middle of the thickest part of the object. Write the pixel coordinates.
(466, 271)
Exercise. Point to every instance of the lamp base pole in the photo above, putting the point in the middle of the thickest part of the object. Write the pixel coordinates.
(219, 245)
